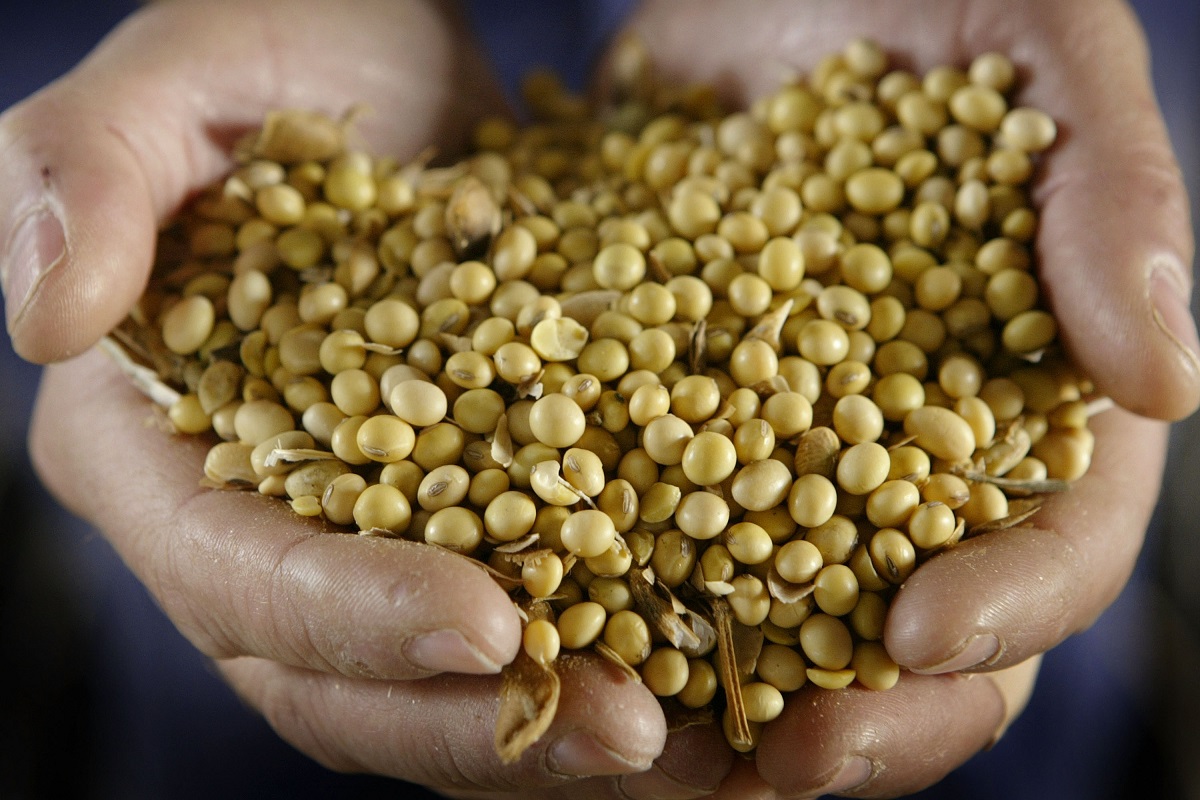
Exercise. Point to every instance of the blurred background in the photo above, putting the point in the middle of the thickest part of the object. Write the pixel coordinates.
(103, 699)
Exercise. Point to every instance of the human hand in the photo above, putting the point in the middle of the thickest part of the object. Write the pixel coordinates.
(325, 634)
(1115, 253)
(938, 705)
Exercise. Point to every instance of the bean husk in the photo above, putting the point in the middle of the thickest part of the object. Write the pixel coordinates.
(529, 694)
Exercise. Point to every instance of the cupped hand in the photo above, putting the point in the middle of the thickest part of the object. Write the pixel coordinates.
(1115, 256)
(323, 634)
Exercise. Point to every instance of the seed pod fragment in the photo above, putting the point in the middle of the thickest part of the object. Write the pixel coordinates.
(295, 135)
(682, 627)
(472, 218)
(529, 693)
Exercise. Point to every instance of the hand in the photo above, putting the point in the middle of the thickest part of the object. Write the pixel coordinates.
(324, 634)
(1115, 253)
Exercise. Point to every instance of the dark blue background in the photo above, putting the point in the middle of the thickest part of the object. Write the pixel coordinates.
(103, 699)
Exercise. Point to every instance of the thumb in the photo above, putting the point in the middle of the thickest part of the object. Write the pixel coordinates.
(91, 165)
(80, 224)
(1116, 241)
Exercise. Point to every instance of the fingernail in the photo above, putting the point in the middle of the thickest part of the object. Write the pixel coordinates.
(854, 772)
(1173, 315)
(658, 784)
(448, 651)
(978, 649)
(579, 755)
(35, 249)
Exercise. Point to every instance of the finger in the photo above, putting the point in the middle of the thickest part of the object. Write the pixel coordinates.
(1114, 242)
(744, 783)
(91, 165)
(1015, 685)
(997, 599)
(241, 574)
(861, 743)
(439, 732)
(696, 762)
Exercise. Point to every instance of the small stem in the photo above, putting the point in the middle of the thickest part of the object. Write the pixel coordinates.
(729, 673)
(1027, 487)
(1099, 405)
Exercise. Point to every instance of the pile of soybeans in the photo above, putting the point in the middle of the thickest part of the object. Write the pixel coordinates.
(700, 389)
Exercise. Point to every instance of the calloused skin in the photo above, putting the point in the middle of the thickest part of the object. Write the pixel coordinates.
(321, 633)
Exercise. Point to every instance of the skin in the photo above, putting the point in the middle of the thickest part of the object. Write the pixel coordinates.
(320, 633)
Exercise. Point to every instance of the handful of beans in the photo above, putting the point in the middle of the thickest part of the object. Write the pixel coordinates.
(701, 388)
